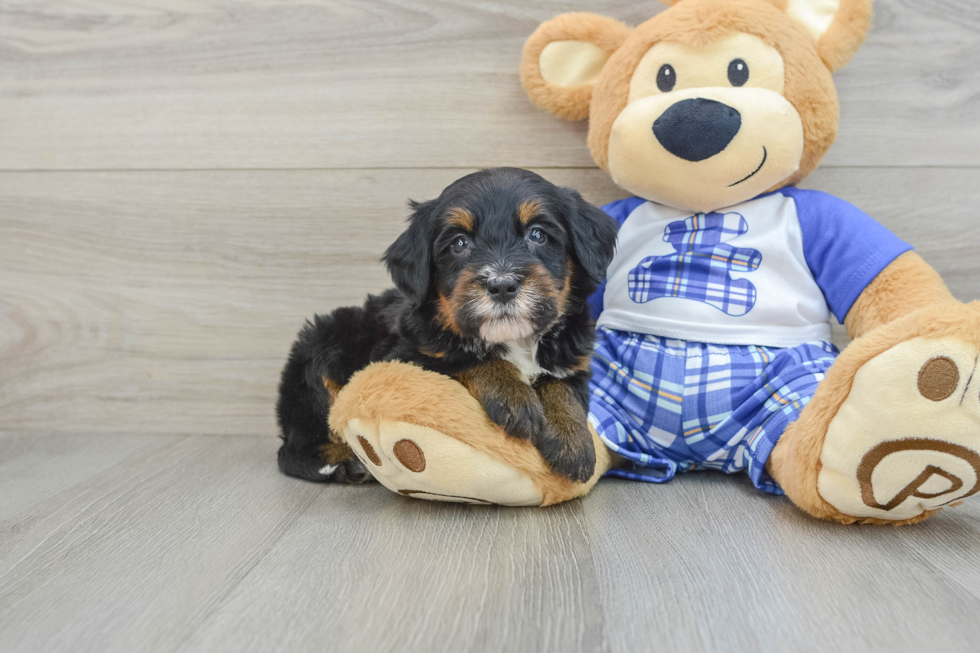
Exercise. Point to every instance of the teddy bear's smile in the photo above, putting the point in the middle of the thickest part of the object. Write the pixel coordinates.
(694, 156)
(765, 155)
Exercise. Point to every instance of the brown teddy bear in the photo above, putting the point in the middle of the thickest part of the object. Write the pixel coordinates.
(713, 327)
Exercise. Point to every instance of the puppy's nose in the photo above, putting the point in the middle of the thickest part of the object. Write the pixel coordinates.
(502, 289)
(697, 129)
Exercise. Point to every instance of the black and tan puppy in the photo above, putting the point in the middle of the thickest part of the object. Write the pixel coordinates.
(492, 281)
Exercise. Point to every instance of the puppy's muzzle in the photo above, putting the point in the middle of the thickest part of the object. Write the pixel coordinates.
(502, 289)
(697, 129)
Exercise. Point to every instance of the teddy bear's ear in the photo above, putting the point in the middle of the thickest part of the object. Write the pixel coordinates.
(838, 27)
(563, 59)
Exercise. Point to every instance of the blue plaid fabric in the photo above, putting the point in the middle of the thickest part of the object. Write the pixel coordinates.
(702, 265)
(671, 405)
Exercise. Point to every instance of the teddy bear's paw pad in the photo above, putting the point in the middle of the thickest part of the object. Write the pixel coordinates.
(422, 463)
(907, 438)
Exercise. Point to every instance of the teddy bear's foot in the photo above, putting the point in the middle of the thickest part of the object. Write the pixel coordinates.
(422, 463)
(907, 439)
(893, 434)
(422, 435)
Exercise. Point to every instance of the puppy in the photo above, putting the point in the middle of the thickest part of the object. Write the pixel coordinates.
(492, 280)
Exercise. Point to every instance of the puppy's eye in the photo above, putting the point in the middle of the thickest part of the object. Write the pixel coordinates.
(460, 243)
(666, 78)
(738, 72)
(537, 236)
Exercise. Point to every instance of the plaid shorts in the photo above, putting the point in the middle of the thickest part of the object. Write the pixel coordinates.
(667, 405)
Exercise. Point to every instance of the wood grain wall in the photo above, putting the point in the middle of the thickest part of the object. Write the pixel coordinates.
(182, 183)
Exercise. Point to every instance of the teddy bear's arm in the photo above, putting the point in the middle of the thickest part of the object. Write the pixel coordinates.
(422, 434)
(907, 284)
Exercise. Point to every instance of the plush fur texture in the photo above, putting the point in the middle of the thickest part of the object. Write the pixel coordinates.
(838, 45)
(567, 103)
(906, 285)
(391, 392)
(808, 84)
(795, 463)
(908, 299)
(496, 270)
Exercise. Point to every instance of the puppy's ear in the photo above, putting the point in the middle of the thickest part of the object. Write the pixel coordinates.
(409, 258)
(593, 235)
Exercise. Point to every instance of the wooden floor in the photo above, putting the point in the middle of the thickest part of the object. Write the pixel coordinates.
(196, 543)
(182, 183)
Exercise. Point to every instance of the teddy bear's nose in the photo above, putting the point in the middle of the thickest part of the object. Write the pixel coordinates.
(697, 129)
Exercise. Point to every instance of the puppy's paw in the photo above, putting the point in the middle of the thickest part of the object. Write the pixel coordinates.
(349, 472)
(569, 449)
(332, 463)
(519, 412)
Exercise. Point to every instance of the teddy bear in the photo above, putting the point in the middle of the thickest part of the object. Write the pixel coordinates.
(713, 325)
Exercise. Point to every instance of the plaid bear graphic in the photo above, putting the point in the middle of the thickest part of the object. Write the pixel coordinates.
(701, 269)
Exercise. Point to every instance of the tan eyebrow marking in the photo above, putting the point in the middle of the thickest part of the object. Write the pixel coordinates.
(528, 210)
(460, 217)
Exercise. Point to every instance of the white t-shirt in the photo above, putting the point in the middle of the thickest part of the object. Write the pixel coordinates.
(765, 272)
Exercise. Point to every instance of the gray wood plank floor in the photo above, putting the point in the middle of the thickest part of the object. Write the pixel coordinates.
(183, 183)
(196, 543)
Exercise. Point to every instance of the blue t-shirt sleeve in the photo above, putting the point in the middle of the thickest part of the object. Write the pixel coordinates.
(844, 247)
(618, 211)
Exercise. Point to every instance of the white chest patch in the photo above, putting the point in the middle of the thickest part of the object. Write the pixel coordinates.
(523, 354)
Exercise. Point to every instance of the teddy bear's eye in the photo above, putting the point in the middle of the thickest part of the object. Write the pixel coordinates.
(738, 72)
(666, 78)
